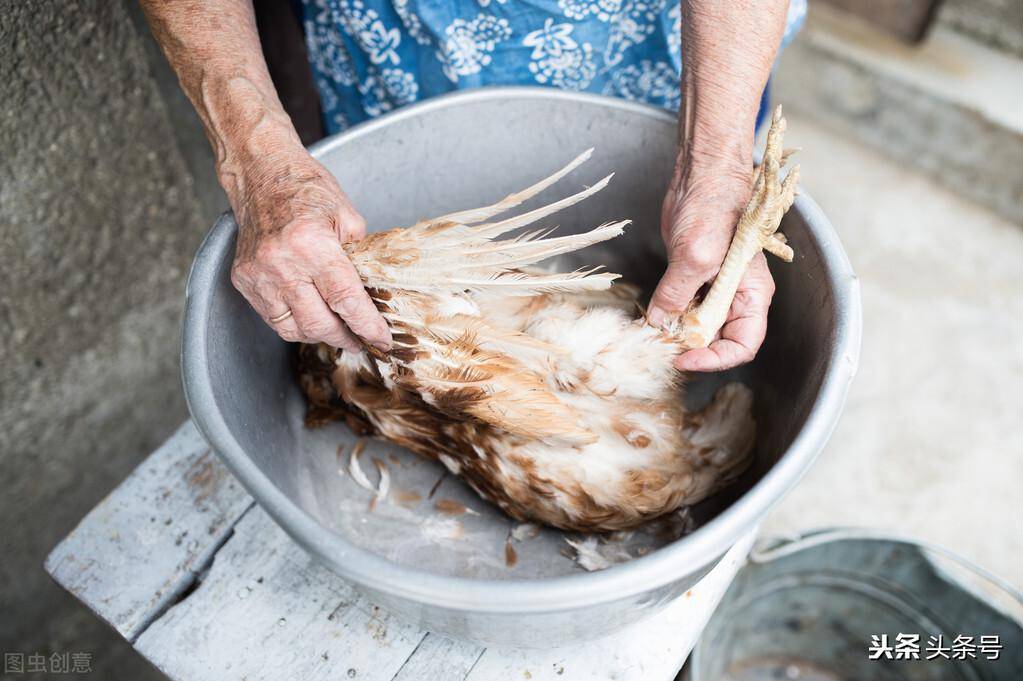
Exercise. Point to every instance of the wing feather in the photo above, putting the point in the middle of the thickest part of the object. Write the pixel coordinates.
(434, 283)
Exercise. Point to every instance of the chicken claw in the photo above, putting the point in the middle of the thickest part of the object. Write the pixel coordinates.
(757, 230)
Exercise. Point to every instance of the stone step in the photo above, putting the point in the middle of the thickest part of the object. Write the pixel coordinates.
(950, 106)
(996, 23)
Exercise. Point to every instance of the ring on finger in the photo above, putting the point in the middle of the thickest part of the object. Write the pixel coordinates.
(281, 317)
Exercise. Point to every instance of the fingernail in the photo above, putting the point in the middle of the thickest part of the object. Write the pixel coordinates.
(686, 362)
(656, 316)
(383, 332)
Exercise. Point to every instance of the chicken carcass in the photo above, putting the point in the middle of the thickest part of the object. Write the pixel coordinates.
(548, 393)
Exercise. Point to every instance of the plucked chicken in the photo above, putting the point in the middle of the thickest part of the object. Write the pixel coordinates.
(548, 393)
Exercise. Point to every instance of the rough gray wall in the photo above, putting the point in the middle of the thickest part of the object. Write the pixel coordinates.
(105, 194)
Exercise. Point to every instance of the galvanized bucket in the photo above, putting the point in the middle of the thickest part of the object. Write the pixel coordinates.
(854, 605)
(465, 150)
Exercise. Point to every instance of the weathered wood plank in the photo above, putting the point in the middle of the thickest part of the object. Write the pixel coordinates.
(261, 608)
(651, 650)
(266, 610)
(440, 659)
(142, 545)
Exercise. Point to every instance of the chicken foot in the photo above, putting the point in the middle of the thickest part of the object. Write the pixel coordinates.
(757, 230)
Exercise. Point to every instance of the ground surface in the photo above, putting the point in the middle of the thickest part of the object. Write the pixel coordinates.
(930, 442)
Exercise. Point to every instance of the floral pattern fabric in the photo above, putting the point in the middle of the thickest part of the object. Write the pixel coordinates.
(372, 56)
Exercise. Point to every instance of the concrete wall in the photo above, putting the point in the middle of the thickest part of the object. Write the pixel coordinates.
(105, 193)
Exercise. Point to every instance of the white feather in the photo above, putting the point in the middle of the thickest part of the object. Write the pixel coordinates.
(384, 485)
(497, 228)
(473, 215)
(519, 253)
(358, 475)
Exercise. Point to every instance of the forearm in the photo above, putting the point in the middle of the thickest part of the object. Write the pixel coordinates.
(727, 51)
(214, 48)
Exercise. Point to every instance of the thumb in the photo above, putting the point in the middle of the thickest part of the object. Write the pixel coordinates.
(675, 291)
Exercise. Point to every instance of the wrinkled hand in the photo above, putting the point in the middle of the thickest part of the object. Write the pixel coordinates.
(293, 219)
(698, 219)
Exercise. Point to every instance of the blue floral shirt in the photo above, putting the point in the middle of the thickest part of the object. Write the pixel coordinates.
(372, 56)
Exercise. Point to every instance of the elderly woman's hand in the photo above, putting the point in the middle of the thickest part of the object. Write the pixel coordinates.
(698, 219)
(727, 52)
(293, 218)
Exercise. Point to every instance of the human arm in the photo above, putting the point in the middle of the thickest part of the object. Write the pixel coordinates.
(292, 216)
(727, 52)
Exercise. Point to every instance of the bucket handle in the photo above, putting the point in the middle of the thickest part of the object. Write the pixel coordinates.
(772, 547)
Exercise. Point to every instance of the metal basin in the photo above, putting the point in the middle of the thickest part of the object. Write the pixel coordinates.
(451, 574)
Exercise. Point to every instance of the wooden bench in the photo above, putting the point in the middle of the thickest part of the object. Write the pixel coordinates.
(184, 565)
